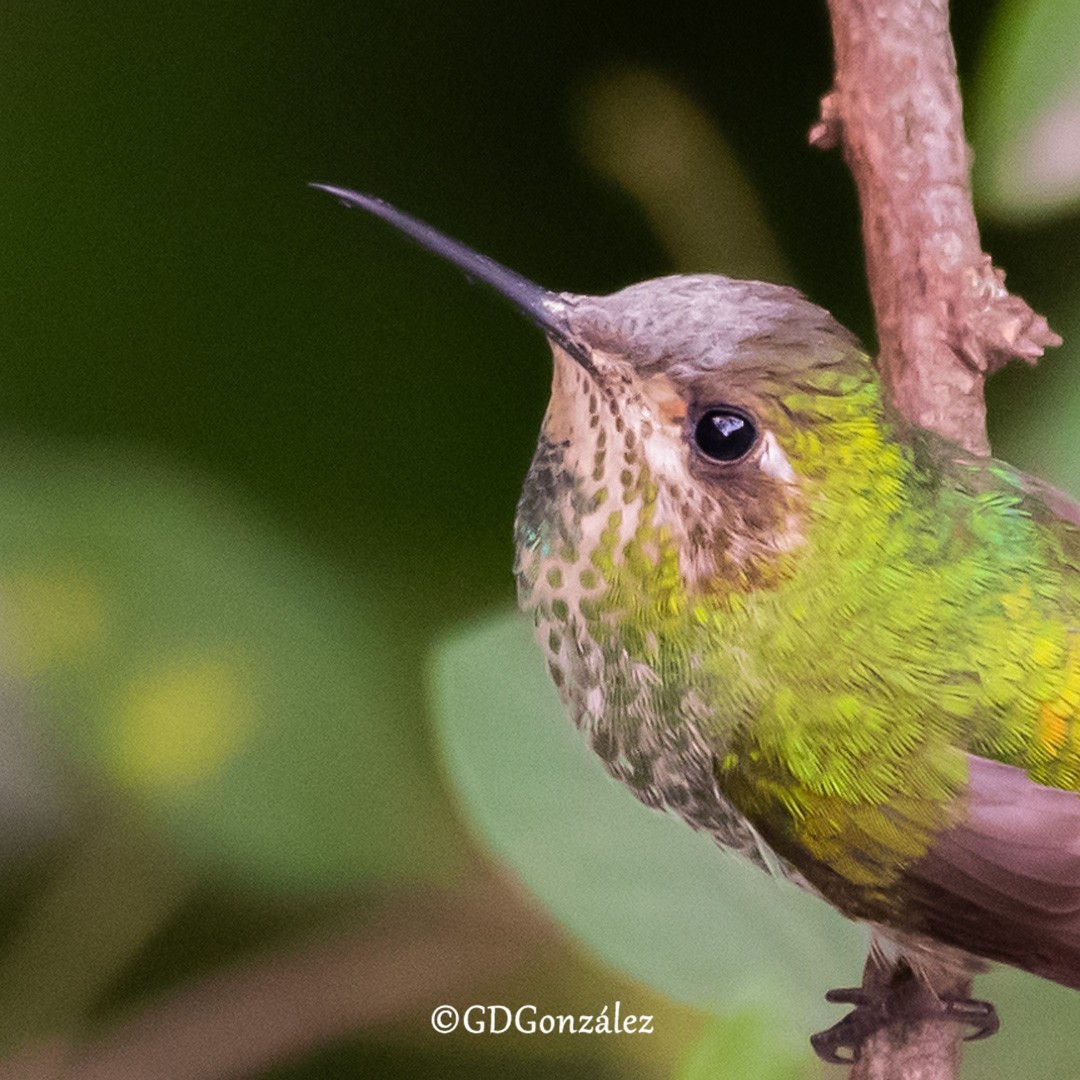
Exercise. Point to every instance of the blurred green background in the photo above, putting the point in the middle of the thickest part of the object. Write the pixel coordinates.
(279, 771)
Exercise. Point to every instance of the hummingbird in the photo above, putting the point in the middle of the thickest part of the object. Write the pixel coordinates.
(839, 643)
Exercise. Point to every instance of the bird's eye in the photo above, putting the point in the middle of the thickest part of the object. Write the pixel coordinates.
(725, 434)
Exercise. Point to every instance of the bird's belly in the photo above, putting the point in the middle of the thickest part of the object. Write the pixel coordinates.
(618, 703)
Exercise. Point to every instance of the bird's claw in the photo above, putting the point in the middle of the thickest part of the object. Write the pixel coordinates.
(981, 1015)
(849, 995)
(840, 1044)
(906, 1004)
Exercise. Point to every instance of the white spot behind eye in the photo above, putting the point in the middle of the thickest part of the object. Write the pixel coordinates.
(666, 457)
(773, 460)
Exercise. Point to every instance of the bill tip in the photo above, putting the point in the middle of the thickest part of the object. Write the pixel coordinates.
(346, 196)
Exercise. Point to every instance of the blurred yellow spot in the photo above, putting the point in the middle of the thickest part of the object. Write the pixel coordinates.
(1052, 729)
(1046, 653)
(177, 726)
(50, 615)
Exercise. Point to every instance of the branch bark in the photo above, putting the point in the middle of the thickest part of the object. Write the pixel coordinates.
(944, 318)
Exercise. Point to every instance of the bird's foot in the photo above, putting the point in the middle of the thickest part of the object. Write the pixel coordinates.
(905, 1001)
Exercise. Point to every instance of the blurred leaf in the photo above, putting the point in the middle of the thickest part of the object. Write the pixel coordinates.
(1027, 110)
(1038, 1025)
(650, 896)
(644, 133)
(238, 687)
(737, 1047)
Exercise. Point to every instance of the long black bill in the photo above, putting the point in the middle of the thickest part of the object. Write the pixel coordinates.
(545, 308)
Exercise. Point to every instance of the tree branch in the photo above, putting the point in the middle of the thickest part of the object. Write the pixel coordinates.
(944, 318)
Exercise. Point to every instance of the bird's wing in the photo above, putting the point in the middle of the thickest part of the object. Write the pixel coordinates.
(1060, 503)
(1005, 883)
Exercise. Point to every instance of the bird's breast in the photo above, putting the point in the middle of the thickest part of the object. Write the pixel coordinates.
(605, 590)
